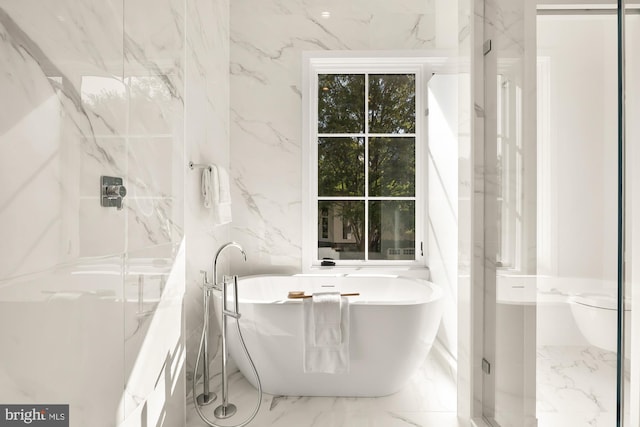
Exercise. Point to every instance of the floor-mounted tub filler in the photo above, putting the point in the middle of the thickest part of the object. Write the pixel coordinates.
(392, 324)
(225, 409)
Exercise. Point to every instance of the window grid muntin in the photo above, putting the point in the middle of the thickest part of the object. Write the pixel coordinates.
(366, 166)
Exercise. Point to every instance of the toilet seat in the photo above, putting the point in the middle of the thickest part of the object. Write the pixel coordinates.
(596, 316)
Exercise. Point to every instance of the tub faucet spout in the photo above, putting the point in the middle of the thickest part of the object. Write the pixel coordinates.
(214, 283)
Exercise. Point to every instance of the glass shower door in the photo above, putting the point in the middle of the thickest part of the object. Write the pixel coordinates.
(577, 217)
(509, 269)
(551, 217)
(631, 126)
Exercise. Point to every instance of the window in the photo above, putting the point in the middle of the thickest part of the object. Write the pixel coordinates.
(363, 156)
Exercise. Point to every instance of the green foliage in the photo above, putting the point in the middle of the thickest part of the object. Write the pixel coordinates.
(341, 103)
(341, 167)
(392, 167)
(392, 103)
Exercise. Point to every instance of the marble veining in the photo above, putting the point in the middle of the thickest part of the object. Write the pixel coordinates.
(71, 105)
(576, 385)
(428, 400)
(505, 22)
(89, 89)
(206, 134)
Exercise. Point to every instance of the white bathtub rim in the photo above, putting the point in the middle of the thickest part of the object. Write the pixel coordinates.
(436, 292)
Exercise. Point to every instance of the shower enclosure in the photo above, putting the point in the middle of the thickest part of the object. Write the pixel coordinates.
(91, 296)
(558, 206)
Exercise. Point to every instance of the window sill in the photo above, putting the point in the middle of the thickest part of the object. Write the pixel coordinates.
(415, 271)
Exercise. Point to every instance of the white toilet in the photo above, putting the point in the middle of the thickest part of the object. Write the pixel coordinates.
(597, 318)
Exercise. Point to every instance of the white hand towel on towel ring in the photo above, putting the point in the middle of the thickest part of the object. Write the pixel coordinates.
(216, 193)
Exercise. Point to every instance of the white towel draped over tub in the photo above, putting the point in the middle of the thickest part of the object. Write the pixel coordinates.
(326, 333)
(216, 193)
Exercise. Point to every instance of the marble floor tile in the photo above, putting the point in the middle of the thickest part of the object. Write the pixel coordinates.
(576, 386)
(428, 400)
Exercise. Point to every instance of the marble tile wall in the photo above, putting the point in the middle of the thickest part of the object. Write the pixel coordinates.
(89, 89)
(267, 41)
(207, 141)
(154, 75)
(442, 202)
(53, 126)
(75, 116)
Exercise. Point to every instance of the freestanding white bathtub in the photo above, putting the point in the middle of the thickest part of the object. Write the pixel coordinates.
(393, 324)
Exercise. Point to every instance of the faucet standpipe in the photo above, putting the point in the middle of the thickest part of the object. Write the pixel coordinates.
(235, 314)
(206, 397)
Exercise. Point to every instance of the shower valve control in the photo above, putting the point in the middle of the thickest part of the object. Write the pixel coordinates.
(116, 191)
(112, 191)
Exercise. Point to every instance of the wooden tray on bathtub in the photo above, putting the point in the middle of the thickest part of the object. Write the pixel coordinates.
(301, 294)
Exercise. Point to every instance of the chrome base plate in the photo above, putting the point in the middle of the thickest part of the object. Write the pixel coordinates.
(223, 412)
(203, 401)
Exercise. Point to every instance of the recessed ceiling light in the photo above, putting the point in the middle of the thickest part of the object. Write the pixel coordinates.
(326, 14)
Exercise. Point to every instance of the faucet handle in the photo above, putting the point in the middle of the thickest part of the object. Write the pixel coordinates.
(112, 191)
(205, 281)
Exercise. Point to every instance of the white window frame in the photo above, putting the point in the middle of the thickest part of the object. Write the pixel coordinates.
(323, 62)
